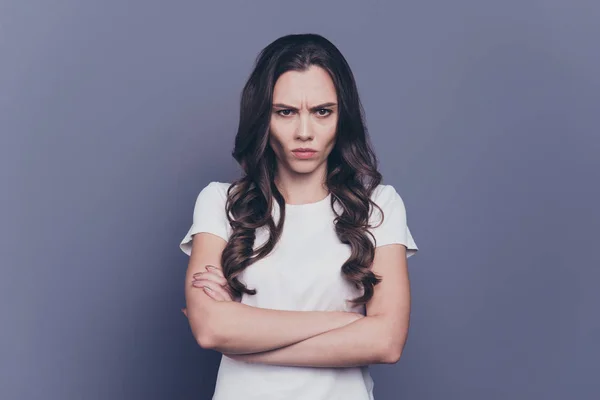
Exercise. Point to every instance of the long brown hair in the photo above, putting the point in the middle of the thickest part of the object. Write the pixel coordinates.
(352, 173)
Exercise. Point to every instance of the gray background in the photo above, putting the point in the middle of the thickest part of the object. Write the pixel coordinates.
(114, 114)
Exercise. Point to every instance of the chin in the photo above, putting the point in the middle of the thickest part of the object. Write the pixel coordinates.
(303, 171)
(305, 168)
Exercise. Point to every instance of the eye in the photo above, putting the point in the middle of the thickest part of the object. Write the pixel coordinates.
(285, 112)
(323, 112)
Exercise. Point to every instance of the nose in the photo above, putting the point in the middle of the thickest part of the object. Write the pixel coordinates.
(303, 131)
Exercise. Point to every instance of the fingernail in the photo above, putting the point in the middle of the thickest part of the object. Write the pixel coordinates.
(210, 267)
(207, 288)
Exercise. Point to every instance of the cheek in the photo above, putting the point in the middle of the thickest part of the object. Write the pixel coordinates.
(330, 137)
(281, 131)
(276, 137)
(327, 129)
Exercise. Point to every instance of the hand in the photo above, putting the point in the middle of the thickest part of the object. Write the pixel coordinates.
(214, 284)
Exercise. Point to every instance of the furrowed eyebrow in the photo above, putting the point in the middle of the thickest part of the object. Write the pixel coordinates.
(318, 107)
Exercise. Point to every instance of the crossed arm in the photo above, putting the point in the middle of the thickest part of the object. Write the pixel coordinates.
(304, 338)
(355, 344)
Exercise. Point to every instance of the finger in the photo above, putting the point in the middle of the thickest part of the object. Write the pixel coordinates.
(213, 288)
(214, 269)
(203, 281)
(215, 294)
(212, 277)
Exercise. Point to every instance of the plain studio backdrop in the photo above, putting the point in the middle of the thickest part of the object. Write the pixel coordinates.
(484, 116)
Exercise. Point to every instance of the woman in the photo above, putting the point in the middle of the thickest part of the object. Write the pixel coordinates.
(293, 274)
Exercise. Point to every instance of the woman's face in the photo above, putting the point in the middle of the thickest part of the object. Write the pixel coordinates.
(304, 116)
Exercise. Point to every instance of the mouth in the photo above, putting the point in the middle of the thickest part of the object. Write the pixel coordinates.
(304, 153)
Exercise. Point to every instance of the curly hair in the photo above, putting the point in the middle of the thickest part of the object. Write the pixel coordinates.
(352, 173)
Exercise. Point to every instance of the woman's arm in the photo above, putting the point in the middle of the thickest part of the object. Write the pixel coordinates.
(240, 329)
(356, 344)
(378, 338)
(235, 328)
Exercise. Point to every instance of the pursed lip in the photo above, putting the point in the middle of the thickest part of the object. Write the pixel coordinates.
(304, 149)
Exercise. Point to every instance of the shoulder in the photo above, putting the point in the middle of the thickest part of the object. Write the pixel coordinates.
(389, 202)
(385, 194)
(215, 189)
(212, 197)
(220, 187)
(209, 214)
(391, 227)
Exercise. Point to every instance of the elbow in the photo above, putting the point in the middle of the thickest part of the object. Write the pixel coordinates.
(392, 350)
(206, 338)
(205, 333)
(391, 355)
(210, 329)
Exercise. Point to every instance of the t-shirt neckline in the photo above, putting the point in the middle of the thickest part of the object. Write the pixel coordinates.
(308, 205)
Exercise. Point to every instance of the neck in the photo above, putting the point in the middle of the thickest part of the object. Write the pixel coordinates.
(302, 188)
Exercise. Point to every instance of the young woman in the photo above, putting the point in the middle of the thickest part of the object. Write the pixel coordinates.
(298, 270)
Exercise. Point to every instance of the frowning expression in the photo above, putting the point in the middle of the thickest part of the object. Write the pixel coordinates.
(304, 117)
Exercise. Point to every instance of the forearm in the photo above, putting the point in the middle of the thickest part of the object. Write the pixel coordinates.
(359, 343)
(237, 328)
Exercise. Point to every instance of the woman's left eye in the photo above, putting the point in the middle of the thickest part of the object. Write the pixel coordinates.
(323, 112)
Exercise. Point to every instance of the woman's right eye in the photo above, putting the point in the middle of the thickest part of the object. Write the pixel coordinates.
(284, 113)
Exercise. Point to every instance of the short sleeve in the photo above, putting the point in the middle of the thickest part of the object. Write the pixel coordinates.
(209, 215)
(394, 228)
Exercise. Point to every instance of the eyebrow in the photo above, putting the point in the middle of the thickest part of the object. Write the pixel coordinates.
(317, 107)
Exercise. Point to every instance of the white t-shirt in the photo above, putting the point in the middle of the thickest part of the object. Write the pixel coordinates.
(302, 273)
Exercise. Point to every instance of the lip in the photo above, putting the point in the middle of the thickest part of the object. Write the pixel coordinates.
(304, 153)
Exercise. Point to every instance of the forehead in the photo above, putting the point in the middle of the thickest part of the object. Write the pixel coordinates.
(311, 85)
